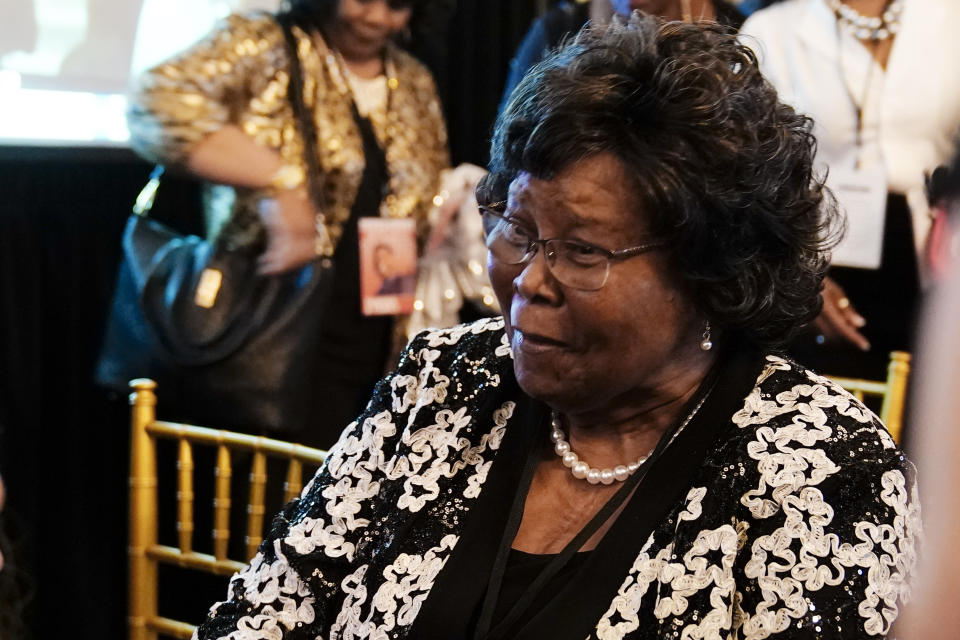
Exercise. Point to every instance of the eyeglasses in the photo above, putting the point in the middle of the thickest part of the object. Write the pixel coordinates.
(577, 265)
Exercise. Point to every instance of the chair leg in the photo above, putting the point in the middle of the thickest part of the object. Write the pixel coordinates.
(143, 511)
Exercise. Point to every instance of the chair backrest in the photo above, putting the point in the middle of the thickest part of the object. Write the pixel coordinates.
(145, 553)
(893, 391)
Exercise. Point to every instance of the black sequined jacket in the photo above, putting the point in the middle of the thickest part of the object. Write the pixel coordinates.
(797, 518)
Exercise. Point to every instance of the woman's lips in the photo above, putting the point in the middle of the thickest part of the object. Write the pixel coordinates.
(534, 343)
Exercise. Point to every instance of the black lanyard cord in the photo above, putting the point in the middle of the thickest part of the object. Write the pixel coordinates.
(503, 549)
(483, 629)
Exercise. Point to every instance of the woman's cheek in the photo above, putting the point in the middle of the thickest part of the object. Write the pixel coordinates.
(501, 279)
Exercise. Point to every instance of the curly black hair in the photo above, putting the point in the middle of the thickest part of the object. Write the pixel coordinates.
(722, 168)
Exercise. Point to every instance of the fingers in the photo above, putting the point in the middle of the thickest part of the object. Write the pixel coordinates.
(285, 254)
(290, 222)
(448, 206)
(842, 325)
(268, 265)
(849, 312)
(288, 212)
(839, 320)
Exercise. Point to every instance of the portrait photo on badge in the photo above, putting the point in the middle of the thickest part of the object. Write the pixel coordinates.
(388, 265)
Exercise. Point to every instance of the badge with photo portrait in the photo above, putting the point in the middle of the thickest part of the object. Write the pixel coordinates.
(388, 265)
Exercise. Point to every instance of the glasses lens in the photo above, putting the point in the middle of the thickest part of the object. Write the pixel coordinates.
(573, 264)
(507, 241)
(577, 265)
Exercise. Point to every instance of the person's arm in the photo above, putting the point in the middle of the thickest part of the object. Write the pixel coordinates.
(292, 588)
(178, 103)
(229, 156)
(182, 113)
(831, 534)
(934, 614)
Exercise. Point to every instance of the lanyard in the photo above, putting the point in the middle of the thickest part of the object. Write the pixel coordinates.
(859, 106)
(483, 629)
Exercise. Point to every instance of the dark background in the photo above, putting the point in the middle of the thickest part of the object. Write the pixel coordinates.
(63, 442)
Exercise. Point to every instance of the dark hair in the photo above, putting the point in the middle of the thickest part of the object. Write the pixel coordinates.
(944, 182)
(427, 20)
(309, 13)
(721, 167)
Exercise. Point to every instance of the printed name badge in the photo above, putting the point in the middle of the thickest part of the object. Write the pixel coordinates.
(862, 195)
(388, 266)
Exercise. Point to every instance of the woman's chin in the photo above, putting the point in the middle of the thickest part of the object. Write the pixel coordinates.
(560, 393)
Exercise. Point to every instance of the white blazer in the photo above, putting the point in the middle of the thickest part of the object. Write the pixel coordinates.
(911, 110)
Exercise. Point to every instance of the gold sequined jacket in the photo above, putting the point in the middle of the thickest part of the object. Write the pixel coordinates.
(239, 75)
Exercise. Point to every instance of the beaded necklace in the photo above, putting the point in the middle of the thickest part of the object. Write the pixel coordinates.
(868, 28)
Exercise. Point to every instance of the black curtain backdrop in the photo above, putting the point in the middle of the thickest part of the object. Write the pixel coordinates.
(482, 38)
(63, 442)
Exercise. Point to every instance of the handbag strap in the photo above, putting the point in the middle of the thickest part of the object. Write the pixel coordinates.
(147, 195)
(303, 116)
(307, 124)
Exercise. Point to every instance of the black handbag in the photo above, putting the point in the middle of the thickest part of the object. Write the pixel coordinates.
(228, 347)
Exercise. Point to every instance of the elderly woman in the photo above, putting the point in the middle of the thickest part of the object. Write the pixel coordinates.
(621, 455)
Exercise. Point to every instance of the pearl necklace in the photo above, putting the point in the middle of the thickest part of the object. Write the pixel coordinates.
(869, 28)
(580, 469)
(583, 471)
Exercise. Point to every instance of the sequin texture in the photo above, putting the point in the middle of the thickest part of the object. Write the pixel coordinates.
(782, 533)
(239, 75)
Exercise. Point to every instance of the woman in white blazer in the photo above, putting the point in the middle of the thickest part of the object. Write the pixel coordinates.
(881, 79)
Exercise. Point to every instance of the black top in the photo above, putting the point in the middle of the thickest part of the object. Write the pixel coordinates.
(354, 347)
(523, 568)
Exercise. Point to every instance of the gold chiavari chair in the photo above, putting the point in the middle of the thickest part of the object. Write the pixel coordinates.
(893, 391)
(144, 551)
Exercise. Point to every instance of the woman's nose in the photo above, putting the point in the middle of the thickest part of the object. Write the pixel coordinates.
(535, 279)
(378, 13)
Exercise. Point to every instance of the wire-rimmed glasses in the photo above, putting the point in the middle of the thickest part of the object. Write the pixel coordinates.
(575, 264)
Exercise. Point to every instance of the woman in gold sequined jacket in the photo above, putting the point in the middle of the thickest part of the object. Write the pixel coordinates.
(221, 111)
